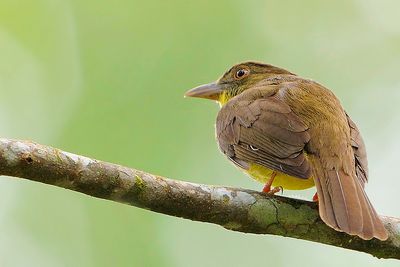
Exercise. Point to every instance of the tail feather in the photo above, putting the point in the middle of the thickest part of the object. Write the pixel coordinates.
(347, 208)
(371, 228)
(368, 217)
(325, 211)
(344, 205)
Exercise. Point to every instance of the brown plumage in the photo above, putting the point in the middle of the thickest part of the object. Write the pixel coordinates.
(296, 127)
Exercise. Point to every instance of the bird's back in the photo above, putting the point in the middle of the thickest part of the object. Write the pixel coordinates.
(337, 155)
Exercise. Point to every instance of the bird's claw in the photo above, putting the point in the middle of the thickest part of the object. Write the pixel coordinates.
(275, 190)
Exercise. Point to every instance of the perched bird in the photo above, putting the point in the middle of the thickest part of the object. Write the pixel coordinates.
(292, 133)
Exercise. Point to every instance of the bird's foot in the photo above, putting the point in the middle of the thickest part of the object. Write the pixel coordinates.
(276, 190)
(315, 197)
(268, 186)
(272, 191)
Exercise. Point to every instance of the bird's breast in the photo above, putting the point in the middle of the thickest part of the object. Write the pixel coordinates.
(262, 174)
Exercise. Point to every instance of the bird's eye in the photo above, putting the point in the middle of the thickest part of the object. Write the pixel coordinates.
(241, 73)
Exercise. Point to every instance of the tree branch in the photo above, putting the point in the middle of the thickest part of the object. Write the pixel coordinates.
(235, 209)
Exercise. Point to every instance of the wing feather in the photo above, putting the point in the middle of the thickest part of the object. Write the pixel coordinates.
(263, 131)
(360, 153)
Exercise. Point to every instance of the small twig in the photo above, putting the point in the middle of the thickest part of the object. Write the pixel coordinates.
(235, 209)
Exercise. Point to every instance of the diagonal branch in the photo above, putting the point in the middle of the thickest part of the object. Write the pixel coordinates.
(235, 209)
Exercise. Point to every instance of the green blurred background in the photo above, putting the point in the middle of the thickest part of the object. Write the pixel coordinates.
(106, 79)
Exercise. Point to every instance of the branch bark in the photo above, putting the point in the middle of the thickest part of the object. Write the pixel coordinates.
(233, 208)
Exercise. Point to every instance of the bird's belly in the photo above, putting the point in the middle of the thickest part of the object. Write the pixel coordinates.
(262, 174)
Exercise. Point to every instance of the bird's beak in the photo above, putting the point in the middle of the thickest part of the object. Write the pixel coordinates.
(208, 91)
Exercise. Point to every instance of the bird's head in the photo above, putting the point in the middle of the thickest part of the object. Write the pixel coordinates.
(235, 81)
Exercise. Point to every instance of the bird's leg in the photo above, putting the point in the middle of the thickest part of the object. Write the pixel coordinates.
(267, 186)
(315, 197)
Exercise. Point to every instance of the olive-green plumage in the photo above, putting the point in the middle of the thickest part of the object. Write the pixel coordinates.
(273, 121)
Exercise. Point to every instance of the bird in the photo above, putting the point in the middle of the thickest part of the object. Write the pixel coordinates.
(292, 133)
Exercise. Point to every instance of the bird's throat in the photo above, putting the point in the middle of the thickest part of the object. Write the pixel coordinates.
(224, 98)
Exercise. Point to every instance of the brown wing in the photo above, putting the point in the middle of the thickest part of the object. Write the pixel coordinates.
(360, 153)
(257, 127)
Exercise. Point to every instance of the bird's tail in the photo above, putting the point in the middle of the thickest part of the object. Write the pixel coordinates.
(344, 205)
